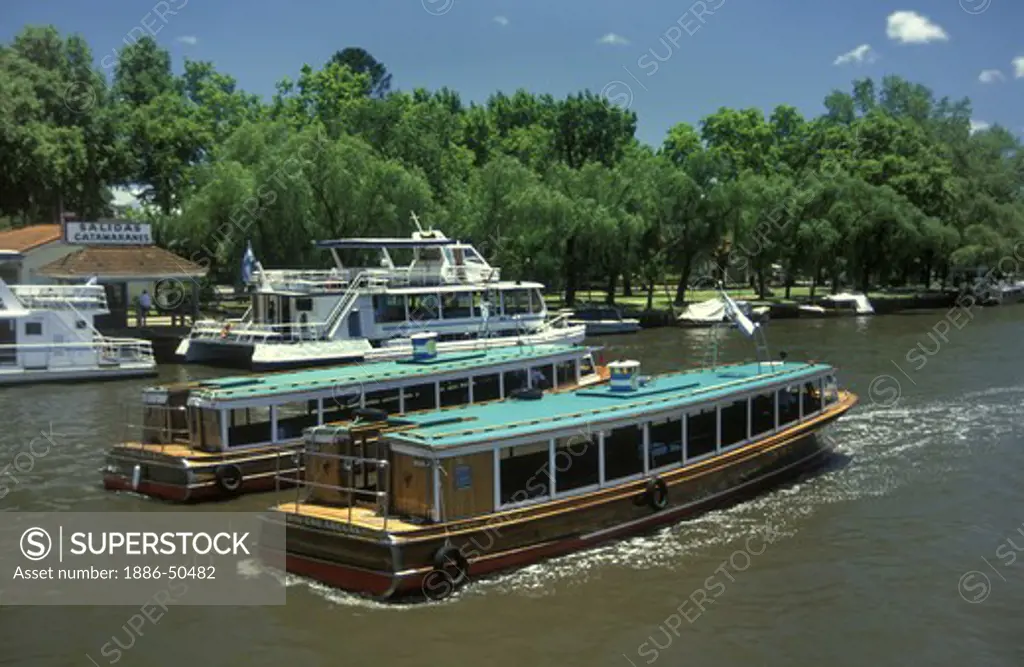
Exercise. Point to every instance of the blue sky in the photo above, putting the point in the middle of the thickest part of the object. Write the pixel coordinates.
(739, 53)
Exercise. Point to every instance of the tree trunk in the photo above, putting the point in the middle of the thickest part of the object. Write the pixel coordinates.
(684, 277)
(650, 295)
(613, 279)
(865, 276)
(760, 283)
(627, 284)
(570, 271)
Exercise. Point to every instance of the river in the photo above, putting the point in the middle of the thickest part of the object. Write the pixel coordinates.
(895, 554)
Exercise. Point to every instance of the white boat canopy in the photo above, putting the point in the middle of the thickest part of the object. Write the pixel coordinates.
(861, 304)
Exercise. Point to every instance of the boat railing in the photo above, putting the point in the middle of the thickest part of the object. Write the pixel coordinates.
(161, 425)
(56, 297)
(345, 494)
(258, 332)
(336, 280)
(107, 351)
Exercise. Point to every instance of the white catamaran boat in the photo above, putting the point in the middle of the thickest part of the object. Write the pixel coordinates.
(47, 333)
(361, 312)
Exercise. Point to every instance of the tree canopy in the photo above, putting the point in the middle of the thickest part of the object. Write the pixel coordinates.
(887, 187)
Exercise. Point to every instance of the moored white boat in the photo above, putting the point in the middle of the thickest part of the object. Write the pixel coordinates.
(47, 333)
(715, 311)
(603, 321)
(356, 312)
(841, 303)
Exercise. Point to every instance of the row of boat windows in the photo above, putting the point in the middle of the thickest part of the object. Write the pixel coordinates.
(455, 305)
(586, 461)
(249, 426)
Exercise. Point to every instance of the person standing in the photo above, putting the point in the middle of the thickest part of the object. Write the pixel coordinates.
(145, 303)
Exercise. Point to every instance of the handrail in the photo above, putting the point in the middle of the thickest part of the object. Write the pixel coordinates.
(345, 304)
(300, 482)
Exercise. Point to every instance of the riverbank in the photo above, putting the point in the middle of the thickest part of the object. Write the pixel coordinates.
(665, 314)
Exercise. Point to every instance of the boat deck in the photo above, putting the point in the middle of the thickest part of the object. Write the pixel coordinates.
(361, 516)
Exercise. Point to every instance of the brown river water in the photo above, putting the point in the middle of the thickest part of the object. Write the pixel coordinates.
(903, 551)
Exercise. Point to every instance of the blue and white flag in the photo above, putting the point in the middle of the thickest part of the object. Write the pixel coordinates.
(248, 263)
(734, 313)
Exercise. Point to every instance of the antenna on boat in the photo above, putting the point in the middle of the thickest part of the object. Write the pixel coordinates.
(416, 221)
(752, 330)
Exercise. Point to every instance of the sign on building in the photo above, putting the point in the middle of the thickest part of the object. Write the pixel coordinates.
(108, 233)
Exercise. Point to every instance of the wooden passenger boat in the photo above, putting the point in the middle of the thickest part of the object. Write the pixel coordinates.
(219, 438)
(419, 504)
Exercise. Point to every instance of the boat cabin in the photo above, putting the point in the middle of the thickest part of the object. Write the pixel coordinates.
(229, 414)
(477, 460)
(49, 331)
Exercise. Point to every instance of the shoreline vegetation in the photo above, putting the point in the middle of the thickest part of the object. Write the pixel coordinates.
(888, 190)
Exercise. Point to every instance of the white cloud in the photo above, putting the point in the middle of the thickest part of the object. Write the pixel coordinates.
(991, 76)
(187, 39)
(979, 125)
(501, 20)
(861, 54)
(1018, 67)
(913, 28)
(611, 39)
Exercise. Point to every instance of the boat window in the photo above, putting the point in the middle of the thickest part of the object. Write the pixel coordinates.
(210, 422)
(420, 397)
(536, 301)
(811, 395)
(623, 452)
(80, 324)
(472, 257)
(541, 376)
(524, 472)
(517, 302)
(389, 307)
(577, 462)
(341, 407)
(293, 418)
(454, 392)
(762, 417)
(666, 443)
(486, 388)
(831, 390)
(515, 380)
(789, 405)
(456, 304)
(249, 425)
(423, 307)
(734, 422)
(493, 304)
(428, 254)
(586, 366)
(33, 328)
(385, 399)
(304, 304)
(566, 373)
(701, 433)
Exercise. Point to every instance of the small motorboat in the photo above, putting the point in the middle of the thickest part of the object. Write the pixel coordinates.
(600, 321)
(843, 303)
(713, 311)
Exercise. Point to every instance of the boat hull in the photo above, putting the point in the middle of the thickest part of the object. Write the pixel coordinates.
(268, 356)
(166, 474)
(23, 377)
(403, 563)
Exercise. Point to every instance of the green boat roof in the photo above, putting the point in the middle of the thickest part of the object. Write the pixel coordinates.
(258, 386)
(519, 417)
